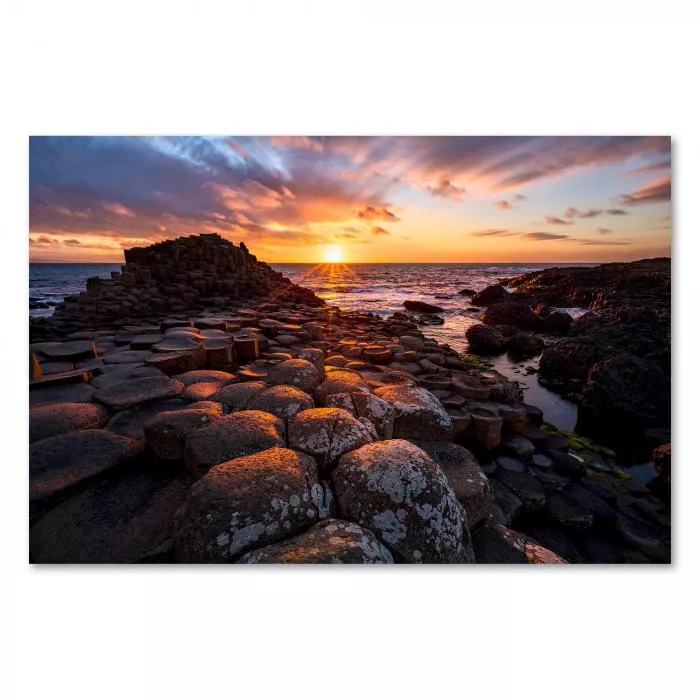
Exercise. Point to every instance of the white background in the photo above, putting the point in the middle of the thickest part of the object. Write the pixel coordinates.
(507, 67)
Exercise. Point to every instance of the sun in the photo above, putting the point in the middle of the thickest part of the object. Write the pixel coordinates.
(333, 254)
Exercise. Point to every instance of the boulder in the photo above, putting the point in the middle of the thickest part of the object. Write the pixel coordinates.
(201, 391)
(59, 463)
(328, 433)
(465, 476)
(466, 292)
(165, 432)
(512, 313)
(236, 397)
(485, 341)
(249, 503)
(395, 490)
(557, 323)
(524, 344)
(234, 435)
(282, 401)
(329, 542)
(131, 392)
(55, 419)
(418, 414)
(376, 410)
(622, 396)
(338, 383)
(572, 358)
(299, 373)
(422, 307)
(491, 295)
(118, 521)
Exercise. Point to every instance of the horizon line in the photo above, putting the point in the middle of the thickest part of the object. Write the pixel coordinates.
(383, 262)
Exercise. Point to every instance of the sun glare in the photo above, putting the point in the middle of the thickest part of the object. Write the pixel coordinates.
(333, 254)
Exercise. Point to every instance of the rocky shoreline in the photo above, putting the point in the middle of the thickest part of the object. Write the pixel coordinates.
(177, 418)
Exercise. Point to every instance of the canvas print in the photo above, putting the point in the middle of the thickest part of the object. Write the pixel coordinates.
(350, 349)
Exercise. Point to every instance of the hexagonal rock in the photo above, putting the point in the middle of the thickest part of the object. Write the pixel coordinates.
(74, 350)
(343, 400)
(61, 462)
(247, 503)
(330, 542)
(76, 393)
(378, 411)
(234, 435)
(165, 432)
(315, 356)
(419, 415)
(467, 479)
(336, 361)
(282, 401)
(175, 344)
(394, 489)
(117, 521)
(205, 375)
(127, 357)
(130, 422)
(299, 373)
(339, 382)
(123, 374)
(55, 419)
(327, 433)
(131, 392)
(201, 391)
(236, 397)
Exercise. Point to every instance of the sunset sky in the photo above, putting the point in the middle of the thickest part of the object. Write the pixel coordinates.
(359, 199)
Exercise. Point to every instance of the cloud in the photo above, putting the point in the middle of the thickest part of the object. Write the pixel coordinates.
(297, 142)
(531, 235)
(505, 204)
(492, 232)
(370, 213)
(597, 241)
(270, 190)
(544, 236)
(572, 213)
(40, 241)
(651, 167)
(71, 242)
(117, 208)
(379, 231)
(656, 191)
(445, 188)
(556, 220)
(603, 231)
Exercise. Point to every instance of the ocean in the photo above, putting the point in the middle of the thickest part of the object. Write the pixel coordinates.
(377, 288)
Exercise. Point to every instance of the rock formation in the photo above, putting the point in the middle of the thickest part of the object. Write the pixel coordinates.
(275, 429)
